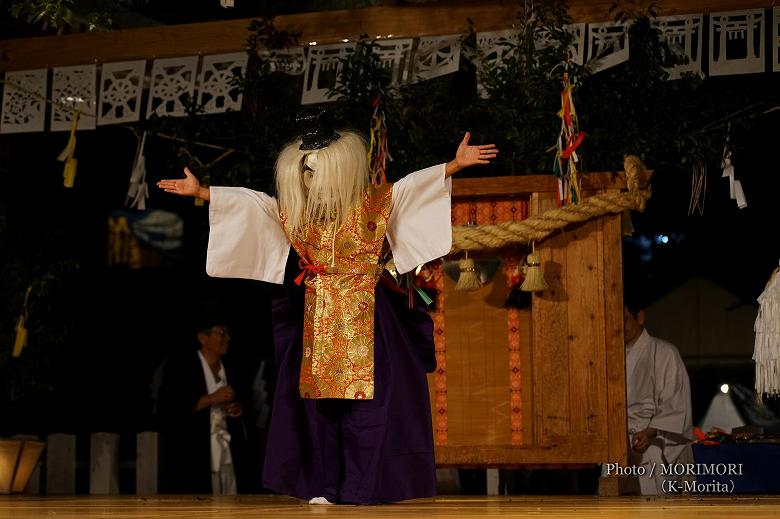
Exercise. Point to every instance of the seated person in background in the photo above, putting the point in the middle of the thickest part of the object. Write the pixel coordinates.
(658, 400)
(202, 430)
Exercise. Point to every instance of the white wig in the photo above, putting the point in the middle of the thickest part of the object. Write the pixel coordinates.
(321, 185)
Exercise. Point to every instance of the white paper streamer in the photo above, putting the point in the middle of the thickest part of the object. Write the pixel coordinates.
(138, 191)
(735, 186)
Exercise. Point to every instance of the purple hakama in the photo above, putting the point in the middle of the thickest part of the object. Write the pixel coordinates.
(356, 451)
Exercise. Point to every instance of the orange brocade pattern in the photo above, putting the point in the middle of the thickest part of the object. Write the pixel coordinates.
(338, 330)
(490, 212)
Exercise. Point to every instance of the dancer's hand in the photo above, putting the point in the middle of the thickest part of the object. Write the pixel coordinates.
(471, 155)
(188, 186)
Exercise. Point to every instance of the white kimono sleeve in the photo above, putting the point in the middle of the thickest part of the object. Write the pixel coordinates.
(672, 393)
(246, 239)
(420, 225)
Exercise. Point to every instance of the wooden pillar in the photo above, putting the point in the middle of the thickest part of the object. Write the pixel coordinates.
(493, 479)
(61, 464)
(146, 462)
(104, 463)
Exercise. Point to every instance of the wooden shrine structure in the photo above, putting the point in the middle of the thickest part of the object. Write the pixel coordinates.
(545, 385)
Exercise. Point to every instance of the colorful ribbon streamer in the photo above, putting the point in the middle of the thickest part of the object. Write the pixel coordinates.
(570, 138)
(377, 149)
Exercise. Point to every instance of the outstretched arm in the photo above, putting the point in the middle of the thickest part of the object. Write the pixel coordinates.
(470, 155)
(187, 186)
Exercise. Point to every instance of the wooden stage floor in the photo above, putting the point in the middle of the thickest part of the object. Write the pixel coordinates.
(261, 507)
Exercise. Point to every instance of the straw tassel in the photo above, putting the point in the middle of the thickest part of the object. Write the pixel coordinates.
(469, 277)
(534, 278)
(66, 156)
(21, 329)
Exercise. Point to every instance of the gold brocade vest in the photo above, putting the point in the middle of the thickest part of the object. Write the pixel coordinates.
(338, 325)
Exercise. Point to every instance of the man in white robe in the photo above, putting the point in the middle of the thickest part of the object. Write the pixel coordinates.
(658, 403)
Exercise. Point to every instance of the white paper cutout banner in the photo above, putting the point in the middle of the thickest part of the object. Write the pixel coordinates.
(217, 94)
(776, 39)
(395, 55)
(737, 42)
(496, 46)
(737, 45)
(493, 48)
(607, 45)
(291, 61)
(73, 87)
(577, 46)
(121, 87)
(436, 56)
(684, 36)
(23, 111)
(172, 84)
(323, 67)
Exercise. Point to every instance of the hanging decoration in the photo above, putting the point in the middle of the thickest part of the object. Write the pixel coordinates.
(737, 33)
(322, 70)
(469, 278)
(436, 56)
(698, 188)
(396, 56)
(21, 326)
(24, 105)
(73, 89)
(570, 138)
(138, 191)
(735, 186)
(172, 86)
(683, 34)
(607, 45)
(493, 48)
(544, 38)
(534, 277)
(766, 352)
(377, 149)
(217, 93)
(66, 156)
(736, 45)
(121, 87)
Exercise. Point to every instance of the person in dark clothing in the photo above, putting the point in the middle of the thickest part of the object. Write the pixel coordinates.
(201, 416)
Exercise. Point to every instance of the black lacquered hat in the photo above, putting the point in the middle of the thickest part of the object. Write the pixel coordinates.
(316, 129)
